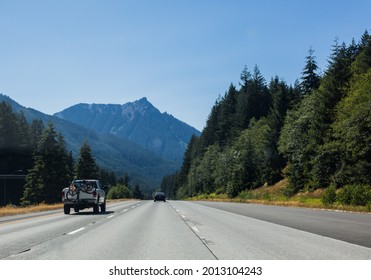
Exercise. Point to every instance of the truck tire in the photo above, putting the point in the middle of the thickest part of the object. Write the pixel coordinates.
(66, 209)
(96, 209)
(103, 207)
(76, 209)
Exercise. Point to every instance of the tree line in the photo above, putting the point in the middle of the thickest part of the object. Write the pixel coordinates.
(316, 132)
(40, 154)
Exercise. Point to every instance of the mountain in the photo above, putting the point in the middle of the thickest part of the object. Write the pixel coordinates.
(111, 152)
(139, 122)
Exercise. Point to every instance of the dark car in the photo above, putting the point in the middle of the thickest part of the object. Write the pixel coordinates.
(159, 196)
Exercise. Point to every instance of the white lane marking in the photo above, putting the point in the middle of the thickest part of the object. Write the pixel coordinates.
(125, 210)
(133, 206)
(195, 229)
(75, 231)
(109, 217)
(183, 216)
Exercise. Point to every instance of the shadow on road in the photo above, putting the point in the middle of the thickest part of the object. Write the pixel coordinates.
(90, 213)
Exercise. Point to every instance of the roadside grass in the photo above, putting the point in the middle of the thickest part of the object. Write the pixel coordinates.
(274, 195)
(268, 195)
(15, 210)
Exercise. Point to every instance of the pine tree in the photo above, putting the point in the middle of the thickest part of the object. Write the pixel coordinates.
(310, 79)
(282, 100)
(253, 98)
(227, 128)
(9, 139)
(86, 168)
(37, 128)
(15, 151)
(137, 193)
(187, 160)
(50, 172)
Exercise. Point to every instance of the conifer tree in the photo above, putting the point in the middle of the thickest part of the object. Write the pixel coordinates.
(86, 168)
(8, 128)
(50, 171)
(227, 128)
(137, 193)
(310, 78)
(253, 99)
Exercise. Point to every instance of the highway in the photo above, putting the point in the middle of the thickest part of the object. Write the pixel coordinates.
(181, 230)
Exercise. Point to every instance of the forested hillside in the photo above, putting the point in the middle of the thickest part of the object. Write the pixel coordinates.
(111, 152)
(35, 163)
(316, 133)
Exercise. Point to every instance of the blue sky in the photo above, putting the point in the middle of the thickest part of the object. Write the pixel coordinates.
(181, 55)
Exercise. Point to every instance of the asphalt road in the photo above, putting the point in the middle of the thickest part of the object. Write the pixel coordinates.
(178, 230)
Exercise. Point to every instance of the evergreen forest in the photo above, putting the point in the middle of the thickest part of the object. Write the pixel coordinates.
(315, 133)
(35, 165)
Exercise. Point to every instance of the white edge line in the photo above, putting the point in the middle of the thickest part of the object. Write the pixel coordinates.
(109, 217)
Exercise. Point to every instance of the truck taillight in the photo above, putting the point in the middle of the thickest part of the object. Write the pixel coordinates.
(62, 194)
(94, 193)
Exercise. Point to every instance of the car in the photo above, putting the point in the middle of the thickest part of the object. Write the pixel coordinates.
(159, 196)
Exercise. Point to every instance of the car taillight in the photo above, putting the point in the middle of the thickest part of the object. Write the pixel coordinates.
(62, 194)
(94, 193)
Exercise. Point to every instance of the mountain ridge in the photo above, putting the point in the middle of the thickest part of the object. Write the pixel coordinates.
(137, 121)
(113, 153)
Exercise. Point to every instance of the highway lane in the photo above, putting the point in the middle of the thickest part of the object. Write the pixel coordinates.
(141, 230)
(20, 233)
(172, 230)
(350, 227)
(234, 236)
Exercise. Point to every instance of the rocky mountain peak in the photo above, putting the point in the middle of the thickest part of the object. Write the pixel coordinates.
(137, 121)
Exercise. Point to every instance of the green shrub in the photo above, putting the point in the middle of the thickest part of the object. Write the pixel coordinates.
(344, 196)
(329, 195)
(290, 190)
(355, 195)
(361, 195)
(246, 195)
(119, 191)
(220, 191)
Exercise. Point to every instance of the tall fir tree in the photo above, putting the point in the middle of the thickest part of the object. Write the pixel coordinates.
(310, 78)
(51, 169)
(227, 128)
(86, 167)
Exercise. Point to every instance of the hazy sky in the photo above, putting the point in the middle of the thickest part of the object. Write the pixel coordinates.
(181, 55)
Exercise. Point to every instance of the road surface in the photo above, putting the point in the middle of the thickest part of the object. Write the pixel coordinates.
(180, 230)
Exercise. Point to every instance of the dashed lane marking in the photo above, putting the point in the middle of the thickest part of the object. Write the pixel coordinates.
(76, 231)
(195, 229)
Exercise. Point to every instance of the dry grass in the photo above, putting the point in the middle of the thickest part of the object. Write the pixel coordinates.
(273, 195)
(15, 210)
(12, 210)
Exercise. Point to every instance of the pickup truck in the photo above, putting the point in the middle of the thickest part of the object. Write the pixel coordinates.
(83, 194)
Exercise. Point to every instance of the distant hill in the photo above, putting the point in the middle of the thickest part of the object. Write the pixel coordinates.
(139, 122)
(111, 152)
